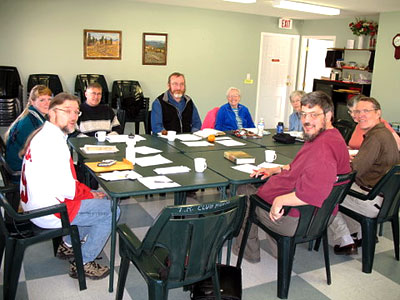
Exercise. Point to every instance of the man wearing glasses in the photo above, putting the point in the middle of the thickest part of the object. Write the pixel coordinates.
(96, 116)
(308, 180)
(48, 178)
(377, 154)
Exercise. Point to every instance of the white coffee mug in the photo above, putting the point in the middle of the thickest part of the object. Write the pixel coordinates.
(200, 164)
(101, 136)
(270, 155)
(171, 135)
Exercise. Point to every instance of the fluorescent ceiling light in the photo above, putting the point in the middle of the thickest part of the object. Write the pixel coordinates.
(306, 7)
(242, 1)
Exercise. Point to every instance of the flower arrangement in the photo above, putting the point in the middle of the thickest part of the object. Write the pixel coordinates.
(364, 27)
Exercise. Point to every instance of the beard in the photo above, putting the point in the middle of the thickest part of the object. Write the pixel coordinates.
(310, 137)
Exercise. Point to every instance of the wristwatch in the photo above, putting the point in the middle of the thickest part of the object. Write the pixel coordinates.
(396, 44)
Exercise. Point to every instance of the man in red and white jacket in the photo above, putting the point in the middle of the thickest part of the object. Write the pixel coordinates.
(48, 178)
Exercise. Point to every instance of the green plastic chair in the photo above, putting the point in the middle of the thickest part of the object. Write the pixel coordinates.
(389, 188)
(181, 246)
(15, 245)
(313, 223)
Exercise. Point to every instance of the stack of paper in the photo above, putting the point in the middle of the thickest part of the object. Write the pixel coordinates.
(152, 160)
(172, 170)
(158, 182)
(146, 150)
(188, 137)
(198, 144)
(120, 175)
(229, 143)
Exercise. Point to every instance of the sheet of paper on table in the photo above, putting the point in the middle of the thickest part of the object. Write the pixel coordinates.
(119, 175)
(229, 143)
(219, 138)
(172, 170)
(248, 168)
(158, 182)
(152, 160)
(268, 165)
(188, 137)
(208, 131)
(198, 144)
(146, 150)
(97, 149)
(122, 138)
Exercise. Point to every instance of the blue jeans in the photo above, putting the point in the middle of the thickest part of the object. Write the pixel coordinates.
(94, 222)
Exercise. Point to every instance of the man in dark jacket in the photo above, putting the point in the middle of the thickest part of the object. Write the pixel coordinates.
(174, 110)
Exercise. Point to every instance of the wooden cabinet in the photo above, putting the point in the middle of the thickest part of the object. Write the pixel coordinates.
(340, 92)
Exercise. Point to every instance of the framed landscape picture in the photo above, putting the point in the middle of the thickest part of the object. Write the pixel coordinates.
(154, 49)
(102, 44)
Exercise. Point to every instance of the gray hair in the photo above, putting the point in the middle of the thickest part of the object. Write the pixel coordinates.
(232, 88)
(354, 100)
(296, 93)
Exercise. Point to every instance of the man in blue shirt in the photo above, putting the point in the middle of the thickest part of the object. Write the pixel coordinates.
(174, 110)
(294, 119)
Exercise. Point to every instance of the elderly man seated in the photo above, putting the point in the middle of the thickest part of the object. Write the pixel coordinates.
(377, 154)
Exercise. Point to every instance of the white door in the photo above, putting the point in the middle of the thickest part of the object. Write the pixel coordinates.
(312, 62)
(276, 77)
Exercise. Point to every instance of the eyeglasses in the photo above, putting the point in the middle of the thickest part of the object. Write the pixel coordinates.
(95, 94)
(313, 115)
(70, 112)
(363, 111)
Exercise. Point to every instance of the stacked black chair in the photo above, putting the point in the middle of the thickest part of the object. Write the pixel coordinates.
(83, 80)
(52, 81)
(127, 95)
(313, 223)
(10, 95)
(345, 127)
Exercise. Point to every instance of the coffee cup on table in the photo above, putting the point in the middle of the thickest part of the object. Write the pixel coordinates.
(101, 136)
(200, 164)
(171, 135)
(270, 155)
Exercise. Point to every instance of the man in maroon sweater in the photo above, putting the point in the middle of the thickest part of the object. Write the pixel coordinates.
(308, 180)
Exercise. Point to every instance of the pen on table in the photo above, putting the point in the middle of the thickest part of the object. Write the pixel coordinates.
(261, 173)
(162, 181)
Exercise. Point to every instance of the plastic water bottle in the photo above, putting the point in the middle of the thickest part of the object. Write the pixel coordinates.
(279, 127)
(130, 153)
(260, 127)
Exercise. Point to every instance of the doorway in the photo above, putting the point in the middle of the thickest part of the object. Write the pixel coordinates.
(312, 60)
(276, 77)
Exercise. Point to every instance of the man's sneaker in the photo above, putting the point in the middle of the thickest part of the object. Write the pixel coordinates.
(91, 269)
(64, 252)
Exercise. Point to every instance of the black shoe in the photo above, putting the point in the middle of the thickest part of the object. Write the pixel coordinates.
(345, 250)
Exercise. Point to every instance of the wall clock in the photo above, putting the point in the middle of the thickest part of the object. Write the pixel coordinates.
(396, 45)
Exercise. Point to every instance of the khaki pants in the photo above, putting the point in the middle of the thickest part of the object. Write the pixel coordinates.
(285, 226)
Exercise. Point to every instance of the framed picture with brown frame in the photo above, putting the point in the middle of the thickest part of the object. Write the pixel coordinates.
(102, 44)
(155, 49)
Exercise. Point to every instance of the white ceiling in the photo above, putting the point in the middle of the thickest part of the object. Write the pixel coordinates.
(349, 8)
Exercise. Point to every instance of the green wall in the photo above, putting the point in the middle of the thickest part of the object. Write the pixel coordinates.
(214, 49)
(386, 80)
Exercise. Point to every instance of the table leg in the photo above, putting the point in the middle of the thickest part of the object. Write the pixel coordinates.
(179, 198)
(113, 242)
(222, 192)
(233, 189)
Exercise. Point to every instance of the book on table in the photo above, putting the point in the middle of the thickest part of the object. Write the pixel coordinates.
(239, 157)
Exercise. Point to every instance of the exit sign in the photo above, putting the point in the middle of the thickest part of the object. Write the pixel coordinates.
(285, 23)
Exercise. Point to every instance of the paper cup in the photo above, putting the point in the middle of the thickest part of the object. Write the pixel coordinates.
(171, 135)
